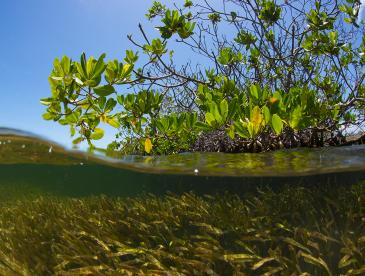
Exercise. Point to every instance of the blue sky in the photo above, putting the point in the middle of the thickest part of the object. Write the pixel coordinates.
(34, 32)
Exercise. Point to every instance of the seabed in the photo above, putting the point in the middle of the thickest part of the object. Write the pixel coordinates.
(295, 231)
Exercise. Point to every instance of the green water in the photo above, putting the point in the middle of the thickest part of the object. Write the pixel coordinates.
(50, 168)
(288, 212)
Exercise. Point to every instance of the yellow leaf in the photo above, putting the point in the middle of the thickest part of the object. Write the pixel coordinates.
(148, 145)
(257, 120)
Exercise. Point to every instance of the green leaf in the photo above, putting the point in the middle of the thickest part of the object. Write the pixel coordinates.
(335, 112)
(126, 71)
(102, 102)
(230, 131)
(46, 101)
(72, 130)
(90, 66)
(83, 65)
(277, 124)
(99, 67)
(251, 130)
(77, 140)
(97, 134)
(203, 126)
(58, 68)
(131, 57)
(73, 117)
(225, 56)
(120, 99)
(267, 115)
(63, 122)
(241, 129)
(113, 122)
(80, 70)
(233, 108)
(224, 109)
(66, 64)
(209, 118)
(48, 116)
(215, 111)
(254, 92)
(110, 104)
(104, 90)
(295, 118)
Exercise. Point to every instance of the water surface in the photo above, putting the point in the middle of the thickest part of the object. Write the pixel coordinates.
(26, 158)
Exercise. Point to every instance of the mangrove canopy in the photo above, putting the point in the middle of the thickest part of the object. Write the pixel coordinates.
(257, 75)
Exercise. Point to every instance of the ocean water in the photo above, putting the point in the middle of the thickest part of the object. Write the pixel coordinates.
(287, 212)
(25, 158)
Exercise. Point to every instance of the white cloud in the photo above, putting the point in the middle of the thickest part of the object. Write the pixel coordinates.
(362, 10)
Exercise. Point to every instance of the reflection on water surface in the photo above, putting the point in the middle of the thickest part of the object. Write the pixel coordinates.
(24, 149)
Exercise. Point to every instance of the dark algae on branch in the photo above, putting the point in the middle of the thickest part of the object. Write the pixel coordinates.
(219, 141)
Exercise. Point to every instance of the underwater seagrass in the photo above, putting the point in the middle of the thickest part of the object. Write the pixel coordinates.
(294, 231)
